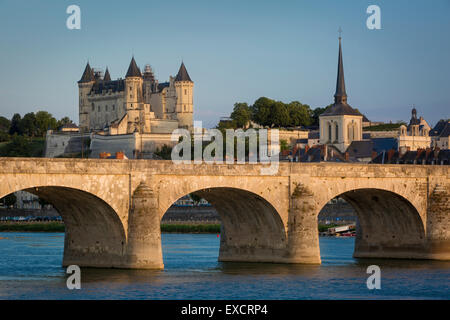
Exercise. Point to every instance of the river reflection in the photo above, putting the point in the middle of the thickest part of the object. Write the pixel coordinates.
(30, 268)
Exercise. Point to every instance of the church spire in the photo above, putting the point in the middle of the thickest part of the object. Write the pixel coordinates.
(340, 97)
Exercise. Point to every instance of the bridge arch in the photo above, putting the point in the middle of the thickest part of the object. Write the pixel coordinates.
(389, 225)
(252, 229)
(94, 233)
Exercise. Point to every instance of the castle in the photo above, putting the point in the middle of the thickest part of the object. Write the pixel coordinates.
(137, 103)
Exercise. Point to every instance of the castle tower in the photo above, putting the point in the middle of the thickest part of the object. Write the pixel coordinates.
(340, 124)
(84, 88)
(133, 96)
(184, 87)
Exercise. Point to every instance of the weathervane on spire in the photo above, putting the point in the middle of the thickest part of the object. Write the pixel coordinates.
(340, 33)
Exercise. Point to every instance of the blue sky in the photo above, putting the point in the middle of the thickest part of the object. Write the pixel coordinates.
(235, 51)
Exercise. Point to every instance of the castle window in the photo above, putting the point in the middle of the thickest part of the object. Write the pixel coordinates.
(337, 132)
(185, 91)
(106, 108)
(98, 108)
(93, 107)
(114, 107)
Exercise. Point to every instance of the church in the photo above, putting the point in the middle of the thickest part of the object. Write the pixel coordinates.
(137, 103)
(340, 124)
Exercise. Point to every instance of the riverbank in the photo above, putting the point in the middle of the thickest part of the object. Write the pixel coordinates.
(187, 227)
(59, 227)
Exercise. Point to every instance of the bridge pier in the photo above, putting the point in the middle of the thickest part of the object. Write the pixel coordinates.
(143, 250)
(303, 237)
(438, 224)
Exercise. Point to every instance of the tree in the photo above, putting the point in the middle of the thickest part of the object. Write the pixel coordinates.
(299, 114)
(28, 125)
(261, 111)
(241, 114)
(9, 200)
(18, 147)
(195, 198)
(63, 121)
(5, 124)
(44, 122)
(280, 115)
(15, 124)
(284, 145)
(317, 112)
(165, 152)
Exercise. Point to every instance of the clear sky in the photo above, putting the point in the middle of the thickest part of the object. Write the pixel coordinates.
(235, 51)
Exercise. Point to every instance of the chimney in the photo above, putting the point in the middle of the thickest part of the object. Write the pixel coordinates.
(390, 154)
(347, 156)
(306, 148)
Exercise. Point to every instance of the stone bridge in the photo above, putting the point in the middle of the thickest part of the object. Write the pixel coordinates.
(112, 208)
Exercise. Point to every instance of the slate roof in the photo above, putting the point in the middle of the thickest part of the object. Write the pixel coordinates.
(133, 70)
(360, 149)
(115, 86)
(183, 75)
(107, 76)
(88, 74)
(384, 144)
(436, 131)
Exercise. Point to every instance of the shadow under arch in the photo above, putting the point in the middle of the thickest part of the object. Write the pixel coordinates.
(94, 233)
(389, 226)
(252, 229)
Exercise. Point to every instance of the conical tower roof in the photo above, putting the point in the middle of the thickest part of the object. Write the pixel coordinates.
(133, 70)
(183, 75)
(107, 76)
(88, 74)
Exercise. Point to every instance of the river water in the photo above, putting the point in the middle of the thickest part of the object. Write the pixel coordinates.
(30, 268)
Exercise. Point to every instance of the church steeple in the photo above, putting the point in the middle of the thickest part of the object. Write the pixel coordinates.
(340, 97)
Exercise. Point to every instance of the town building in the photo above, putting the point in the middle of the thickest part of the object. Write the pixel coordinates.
(414, 136)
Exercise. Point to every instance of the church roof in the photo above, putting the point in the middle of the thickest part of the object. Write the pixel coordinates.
(88, 74)
(341, 109)
(133, 69)
(107, 76)
(340, 106)
(183, 75)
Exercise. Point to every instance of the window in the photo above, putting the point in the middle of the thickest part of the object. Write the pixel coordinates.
(114, 107)
(93, 107)
(98, 108)
(329, 131)
(106, 108)
(337, 132)
(185, 91)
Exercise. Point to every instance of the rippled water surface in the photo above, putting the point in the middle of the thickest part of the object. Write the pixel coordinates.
(30, 268)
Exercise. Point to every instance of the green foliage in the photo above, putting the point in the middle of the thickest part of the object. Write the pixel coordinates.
(261, 111)
(15, 124)
(18, 147)
(33, 227)
(21, 146)
(316, 113)
(44, 122)
(385, 127)
(195, 198)
(165, 152)
(284, 145)
(5, 124)
(241, 114)
(191, 228)
(9, 200)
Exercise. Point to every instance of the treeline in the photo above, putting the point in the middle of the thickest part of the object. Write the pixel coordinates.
(24, 137)
(31, 125)
(271, 113)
